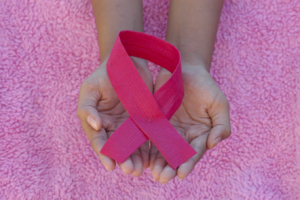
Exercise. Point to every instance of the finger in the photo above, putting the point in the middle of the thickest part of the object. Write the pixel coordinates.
(162, 77)
(167, 174)
(158, 166)
(200, 147)
(97, 140)
(153, 154)
(144, 150)
(89, 97)
(221, 124)
(137, 163)
(127, 166)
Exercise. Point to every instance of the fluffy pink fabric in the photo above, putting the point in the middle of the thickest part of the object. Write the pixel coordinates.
(48, 48)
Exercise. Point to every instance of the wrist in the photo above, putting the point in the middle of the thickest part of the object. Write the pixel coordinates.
(139, 63)
(194, 70)
(198, 65)
(190, 58)
(194, 64)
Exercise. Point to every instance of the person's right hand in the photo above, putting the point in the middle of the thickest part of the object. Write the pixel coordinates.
(101, 113)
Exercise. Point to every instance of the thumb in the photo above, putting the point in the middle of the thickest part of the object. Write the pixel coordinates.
(87, 112)
(92, 118)
(221, 129)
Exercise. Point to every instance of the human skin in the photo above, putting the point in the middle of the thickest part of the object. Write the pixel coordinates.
(204, 114)
(99, 109)
(203, 117)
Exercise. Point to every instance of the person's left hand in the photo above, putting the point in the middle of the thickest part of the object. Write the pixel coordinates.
(202, 120)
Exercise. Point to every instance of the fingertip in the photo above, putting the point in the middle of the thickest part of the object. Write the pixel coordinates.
(151, 167)
(167, 174)
(145, 158)
(137, 173)
(127, 171)
(127, 166)
(184, 170)
(156, 172)
(215, 142)
(107, 162)
(163, 181)
(216, 135)
(159, 165)
(181, 176)
(109, 167)
(93, 122)
(137, 164)
(151, 164)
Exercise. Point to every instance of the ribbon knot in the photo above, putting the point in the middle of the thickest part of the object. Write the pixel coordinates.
(149, 113)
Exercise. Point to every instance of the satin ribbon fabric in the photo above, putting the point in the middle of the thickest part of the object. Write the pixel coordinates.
(149, 113)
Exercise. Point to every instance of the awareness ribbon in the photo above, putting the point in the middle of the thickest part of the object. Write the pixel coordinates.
(149, 113)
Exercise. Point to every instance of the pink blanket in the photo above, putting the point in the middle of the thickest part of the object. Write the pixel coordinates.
(47, 49)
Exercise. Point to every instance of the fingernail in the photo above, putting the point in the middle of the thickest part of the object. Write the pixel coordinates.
(92, 122)
(163, 181)
(155, 178)
(107, 168)
(216, 142)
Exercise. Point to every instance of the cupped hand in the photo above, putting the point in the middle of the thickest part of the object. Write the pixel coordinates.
(101, 113)
(202, 120)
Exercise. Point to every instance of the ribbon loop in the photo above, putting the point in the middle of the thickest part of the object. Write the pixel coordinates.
(149, 114)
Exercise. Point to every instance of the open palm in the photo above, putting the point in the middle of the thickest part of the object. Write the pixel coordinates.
(202, 120)
(101, 113)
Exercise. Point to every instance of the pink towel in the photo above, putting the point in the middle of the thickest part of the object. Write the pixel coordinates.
(48, 48)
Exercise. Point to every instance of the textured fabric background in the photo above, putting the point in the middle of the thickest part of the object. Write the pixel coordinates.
(48, 48)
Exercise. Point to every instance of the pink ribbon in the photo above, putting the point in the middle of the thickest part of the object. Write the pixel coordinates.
(149, 113)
